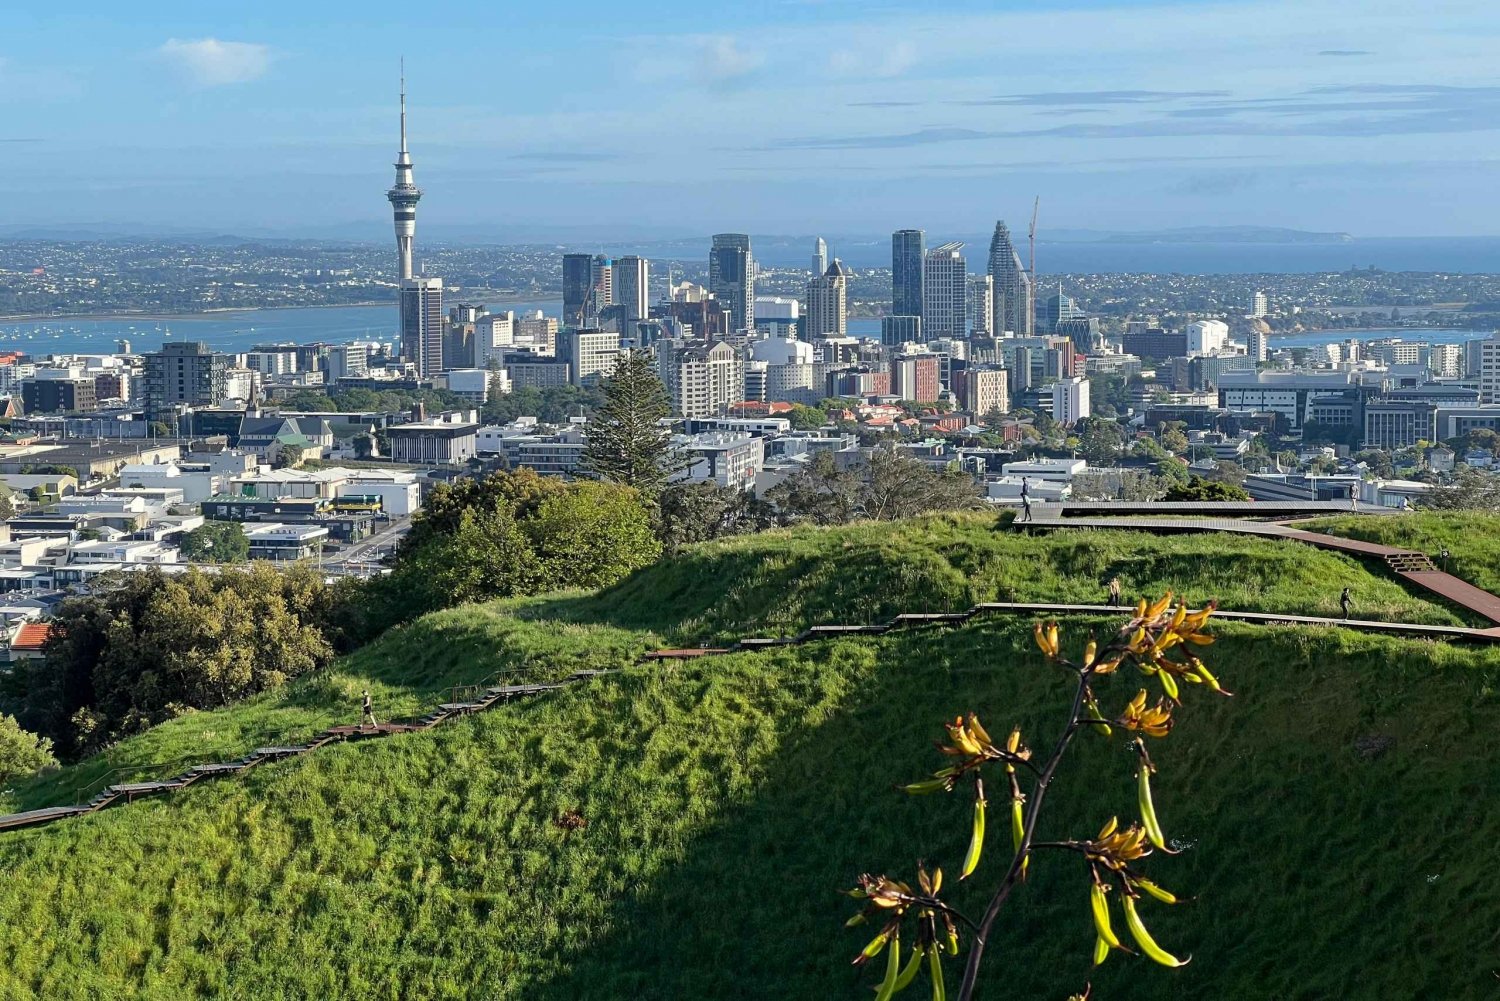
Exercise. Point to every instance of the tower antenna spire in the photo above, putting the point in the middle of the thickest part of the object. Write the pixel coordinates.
(403, 104)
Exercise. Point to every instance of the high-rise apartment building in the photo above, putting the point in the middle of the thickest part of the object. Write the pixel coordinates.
(944, 292)
(591, 354)
(981, 306)
(1070, 400)
(828, 303)
(916, 377)
(1489, 370)
(731, 278)
(1261, 306)
(184, 373)
(631, 276)
(1446, 361)
(1013, 292)
(701, 379)
(819, 257)
(908, 259)
(1258, 346)
(604, 282)
(983, 391)
(423, 324)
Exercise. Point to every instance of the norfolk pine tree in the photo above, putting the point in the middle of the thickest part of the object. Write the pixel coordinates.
(627, 443)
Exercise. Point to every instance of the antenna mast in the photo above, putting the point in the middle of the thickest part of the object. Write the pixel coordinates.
(1036, 207)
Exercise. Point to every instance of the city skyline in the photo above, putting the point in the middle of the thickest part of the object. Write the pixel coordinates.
(1282, 114)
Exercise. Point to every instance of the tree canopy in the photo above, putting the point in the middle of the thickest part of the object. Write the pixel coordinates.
(217, 542)
(628, 444)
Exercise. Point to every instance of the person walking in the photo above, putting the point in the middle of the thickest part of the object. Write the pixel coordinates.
(1025, 499)
(368, 713)
(1345, 602)
(1114, 592)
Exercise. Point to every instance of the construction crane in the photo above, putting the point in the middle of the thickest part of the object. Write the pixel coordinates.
(1036, 207)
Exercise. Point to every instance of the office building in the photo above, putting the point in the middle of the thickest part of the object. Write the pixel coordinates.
(983, 391)
(828, 303)
(1013, 301)
(898, 330)
(908, 261)
(945, 292)
(819, 257)
(630, 277)
(1154, 343)
(494, 334)
(777, 316)
(1070, 400)
(423, 324)
(184, 373)
(58, 396)
(731, 278)
(916, 378)
(981, 306)
(537, 331)
(348, 361)
(1056, 310)
(591, 354)
(579, 307)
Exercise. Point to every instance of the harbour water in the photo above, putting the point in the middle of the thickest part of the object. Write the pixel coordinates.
(242, 330)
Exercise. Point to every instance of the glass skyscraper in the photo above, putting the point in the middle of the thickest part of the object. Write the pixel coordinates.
(908, 248)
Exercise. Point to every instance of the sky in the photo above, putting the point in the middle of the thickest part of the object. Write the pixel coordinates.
(597, 119)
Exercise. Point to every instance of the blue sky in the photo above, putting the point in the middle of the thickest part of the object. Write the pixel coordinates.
(600, 119)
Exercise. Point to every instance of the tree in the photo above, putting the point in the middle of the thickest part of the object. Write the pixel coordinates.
(1199, 489)
(820, 492)
(1471, 490)
(698, 512)
(1099, 440)
(216, 542)
(628, 443)
(150, 646)
(890, 486)
(1174, 441)
(1111, 860)
(7, 503)
(21, 752)
(805, 418)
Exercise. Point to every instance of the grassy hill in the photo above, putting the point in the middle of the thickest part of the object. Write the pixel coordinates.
(1338, 807)
(1472, 539)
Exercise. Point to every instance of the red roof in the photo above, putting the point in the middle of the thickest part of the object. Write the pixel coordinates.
(31, 636)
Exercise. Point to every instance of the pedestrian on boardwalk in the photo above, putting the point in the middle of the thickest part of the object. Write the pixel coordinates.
(1114, 592)
(1345, 602)
(368, 713)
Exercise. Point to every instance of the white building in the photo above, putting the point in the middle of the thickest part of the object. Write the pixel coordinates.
(473, 384)
(399, 492)
(1489, 370)
(701, 380)
(981, 306)
(945, 280)
(1070, 400)
(776, 316)
(590, 354)
(1258, 345)
(729, 459)
(1205, 337)
(1261, 306)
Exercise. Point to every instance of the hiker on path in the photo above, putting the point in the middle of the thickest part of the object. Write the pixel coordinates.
(1344, 601)
(1114, 592)
(368, 713)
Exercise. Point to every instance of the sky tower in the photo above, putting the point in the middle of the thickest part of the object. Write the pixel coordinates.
(404, 195)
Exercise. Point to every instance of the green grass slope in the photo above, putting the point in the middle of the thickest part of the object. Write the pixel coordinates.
(1339, 810)
(1472, 539)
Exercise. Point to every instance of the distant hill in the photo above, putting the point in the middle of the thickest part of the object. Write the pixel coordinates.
(1338, 812)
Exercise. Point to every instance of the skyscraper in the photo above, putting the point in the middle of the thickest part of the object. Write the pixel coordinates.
(981, 306)
(819, 258)
(908, 249)
(184, 373)
(421, 299)
(1260, 306)
(631, 275)
(945, 277)
(828, 303)
(1013, 293)
(731, 278)
(577, 287)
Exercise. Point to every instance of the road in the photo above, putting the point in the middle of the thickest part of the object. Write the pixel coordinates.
(371, 549)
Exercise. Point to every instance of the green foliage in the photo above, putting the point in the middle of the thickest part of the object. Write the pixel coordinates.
(805, 418)
(889, 487)
(1472, 539)
(21, 753)
(511, 533)
(698, 512)
(551, 405)
(1470, 490)
(217, 542)
(1099, 440)
(7, 503)
(627, 443)
(1199, 489)
(152, 646)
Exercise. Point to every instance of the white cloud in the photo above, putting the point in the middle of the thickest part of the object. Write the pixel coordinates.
(209, 62)
(889, 61)
(721, 60)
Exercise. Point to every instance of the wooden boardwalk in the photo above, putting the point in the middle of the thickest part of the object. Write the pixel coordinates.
(1415, 567)
(488, 697)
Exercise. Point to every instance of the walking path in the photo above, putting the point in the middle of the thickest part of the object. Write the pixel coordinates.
(1413, 566)
(129, 792)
